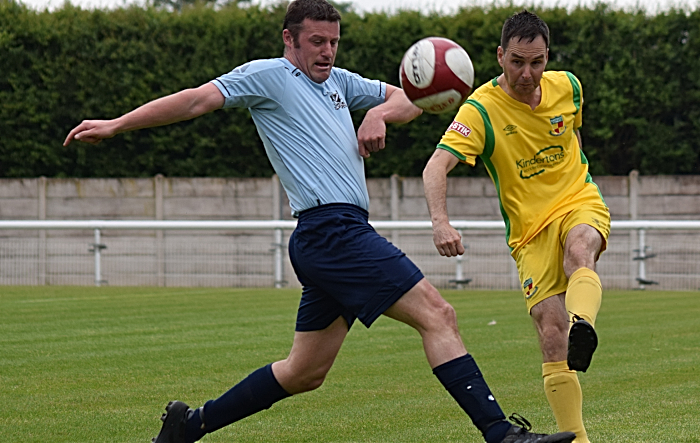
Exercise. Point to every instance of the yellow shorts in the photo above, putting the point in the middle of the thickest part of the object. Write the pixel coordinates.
(541, 261)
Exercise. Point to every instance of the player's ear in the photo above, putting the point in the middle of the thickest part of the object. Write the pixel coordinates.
(288, 38)
(500, 54)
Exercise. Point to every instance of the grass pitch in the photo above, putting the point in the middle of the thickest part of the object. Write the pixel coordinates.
(83, 364)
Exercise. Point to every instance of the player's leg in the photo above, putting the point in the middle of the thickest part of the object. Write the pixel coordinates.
(561, 385)
(310, 359)
(584, 293)
(423, 308)
(336, 248)
(540, 266)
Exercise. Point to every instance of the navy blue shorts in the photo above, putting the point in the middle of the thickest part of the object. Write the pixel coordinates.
(345, 267)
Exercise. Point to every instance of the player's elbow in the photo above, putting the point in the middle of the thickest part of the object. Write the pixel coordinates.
(432, 170)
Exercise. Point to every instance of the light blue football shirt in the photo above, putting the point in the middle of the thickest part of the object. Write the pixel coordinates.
(306, 127)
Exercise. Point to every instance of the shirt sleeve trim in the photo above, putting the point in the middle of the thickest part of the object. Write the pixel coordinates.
(468, 159)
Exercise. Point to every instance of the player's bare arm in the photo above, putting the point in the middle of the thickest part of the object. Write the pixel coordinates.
(371, 134)
(183, 105)
(446, 238)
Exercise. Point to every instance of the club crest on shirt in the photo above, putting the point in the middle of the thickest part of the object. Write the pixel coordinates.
(558, 127)
(460, 128)
(338, 101)
(528, 288)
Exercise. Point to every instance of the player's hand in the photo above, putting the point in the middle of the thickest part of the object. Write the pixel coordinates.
(371, 136)
(447, 240)
(91, 131)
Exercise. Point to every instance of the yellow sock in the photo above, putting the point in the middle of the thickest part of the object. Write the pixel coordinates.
(565, 398)
(584, 295)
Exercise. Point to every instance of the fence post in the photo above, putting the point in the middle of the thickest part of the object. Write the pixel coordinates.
(278, 236)
(97, 248)
(642, 256)
(459, 279)
(634, 213)
(395, 198)
(42, 234)
(160, 235)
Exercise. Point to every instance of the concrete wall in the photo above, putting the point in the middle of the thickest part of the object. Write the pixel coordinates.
(633, 197)
(245, 258)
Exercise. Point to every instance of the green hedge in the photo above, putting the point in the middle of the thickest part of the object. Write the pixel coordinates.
(640, 74)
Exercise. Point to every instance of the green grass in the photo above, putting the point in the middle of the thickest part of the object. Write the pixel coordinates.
(82, 364)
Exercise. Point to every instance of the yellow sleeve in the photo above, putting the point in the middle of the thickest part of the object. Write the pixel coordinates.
(465, 138)
(578, 119)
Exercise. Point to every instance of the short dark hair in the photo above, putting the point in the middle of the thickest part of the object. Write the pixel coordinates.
(299, 10)
(524, 25)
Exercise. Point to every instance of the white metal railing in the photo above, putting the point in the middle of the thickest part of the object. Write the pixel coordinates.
(278, 226)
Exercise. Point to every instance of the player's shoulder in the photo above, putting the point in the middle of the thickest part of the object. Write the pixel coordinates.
(485, 95)
(272, 66)
(485, 90)
(562, 77)
(342, 75)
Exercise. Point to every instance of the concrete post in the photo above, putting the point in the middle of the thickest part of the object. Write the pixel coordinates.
(395, 200)
(41, 185)
(634, 238)
(160, 236)
(278, 235)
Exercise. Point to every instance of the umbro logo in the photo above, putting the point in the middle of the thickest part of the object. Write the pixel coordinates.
(338, 101)
(511, 129)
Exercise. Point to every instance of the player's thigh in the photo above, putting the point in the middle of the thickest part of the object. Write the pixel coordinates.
(584, 234)
(540, 266)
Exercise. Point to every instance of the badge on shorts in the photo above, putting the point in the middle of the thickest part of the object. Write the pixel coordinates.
(529, 290)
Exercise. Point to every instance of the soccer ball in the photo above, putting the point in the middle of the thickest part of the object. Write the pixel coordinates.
(436, 74)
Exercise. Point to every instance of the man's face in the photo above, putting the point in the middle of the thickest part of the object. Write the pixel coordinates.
(523, 64)
(313, 52)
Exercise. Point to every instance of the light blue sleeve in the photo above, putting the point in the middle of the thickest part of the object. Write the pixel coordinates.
(258, 84)
(360, 93)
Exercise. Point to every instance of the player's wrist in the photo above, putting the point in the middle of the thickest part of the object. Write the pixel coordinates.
(439, 222)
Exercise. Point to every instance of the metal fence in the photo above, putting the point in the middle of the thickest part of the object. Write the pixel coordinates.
(641, 254)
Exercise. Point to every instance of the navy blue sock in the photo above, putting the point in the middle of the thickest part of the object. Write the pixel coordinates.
(463, 380)
(257, 392)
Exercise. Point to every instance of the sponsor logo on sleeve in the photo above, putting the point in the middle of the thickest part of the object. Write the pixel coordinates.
(459, 128)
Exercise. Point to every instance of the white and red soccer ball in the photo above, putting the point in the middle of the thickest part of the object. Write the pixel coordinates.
(436, 74)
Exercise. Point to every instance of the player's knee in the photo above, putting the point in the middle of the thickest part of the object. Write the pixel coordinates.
(443, 315)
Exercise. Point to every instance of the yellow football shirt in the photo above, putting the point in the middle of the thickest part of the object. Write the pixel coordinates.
(532, 156)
